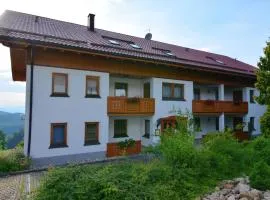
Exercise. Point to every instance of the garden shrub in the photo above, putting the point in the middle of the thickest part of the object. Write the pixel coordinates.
(180, 171)
(13, 160)
(260, 176)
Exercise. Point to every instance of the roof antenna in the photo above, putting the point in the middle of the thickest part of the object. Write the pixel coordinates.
(148, 36)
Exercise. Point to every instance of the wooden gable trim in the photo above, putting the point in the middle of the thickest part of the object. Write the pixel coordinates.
(86, 61)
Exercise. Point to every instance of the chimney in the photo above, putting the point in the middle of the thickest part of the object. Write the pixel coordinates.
(91, 22)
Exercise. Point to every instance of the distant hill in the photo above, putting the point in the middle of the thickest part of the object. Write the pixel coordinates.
(11, 122)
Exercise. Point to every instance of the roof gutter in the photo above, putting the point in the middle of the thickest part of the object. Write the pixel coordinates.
(30, 102)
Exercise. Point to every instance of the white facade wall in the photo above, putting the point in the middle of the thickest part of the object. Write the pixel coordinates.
(254, 110)
(208, 124)
(165, 108)
(75, 110)
(135, 129)
(208, 93)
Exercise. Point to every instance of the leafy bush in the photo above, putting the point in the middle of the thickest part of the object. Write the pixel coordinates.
(181, 171)
(13, 160)
(259, 177)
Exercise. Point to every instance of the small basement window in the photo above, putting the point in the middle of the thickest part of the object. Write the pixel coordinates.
(114, 42)
(135, 46)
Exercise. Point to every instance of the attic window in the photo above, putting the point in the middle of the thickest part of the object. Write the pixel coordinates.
(135, 46)
(219, 61)
(169, 53)
(114, 42)
(165, 51)
(216, 60)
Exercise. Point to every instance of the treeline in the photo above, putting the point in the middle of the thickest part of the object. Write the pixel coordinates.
(9, 142)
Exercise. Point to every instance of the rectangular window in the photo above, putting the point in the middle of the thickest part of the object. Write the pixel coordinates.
(120, 128)
(147, 128)
(172, 91)
(197, 123)
(217, 123)
(197, 94)
(92, 87)
(251, 96)
(59, 85)
(91, 133)
(251, 124)
(121, 89)
(58, 135)
(216, 94)
(146, 90)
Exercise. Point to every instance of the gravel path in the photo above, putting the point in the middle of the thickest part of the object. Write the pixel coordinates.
(19, 186)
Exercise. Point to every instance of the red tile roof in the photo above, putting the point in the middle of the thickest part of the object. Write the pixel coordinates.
(21, 26)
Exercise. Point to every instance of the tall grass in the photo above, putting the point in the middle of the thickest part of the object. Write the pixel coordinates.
(13, 160)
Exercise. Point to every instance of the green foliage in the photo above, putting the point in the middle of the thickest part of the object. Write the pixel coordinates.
(13, 160)
(263, 76)
(126, 144)
(2, 140)
(265, 123)
(14, 139)
(260, 149)
(211, 137)
(181, 171)
(263, 85)
(259, 177)
(20, 145)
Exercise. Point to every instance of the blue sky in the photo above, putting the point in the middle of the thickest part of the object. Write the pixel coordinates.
(237, 29)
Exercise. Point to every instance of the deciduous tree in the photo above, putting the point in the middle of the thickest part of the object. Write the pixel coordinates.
(263, 85)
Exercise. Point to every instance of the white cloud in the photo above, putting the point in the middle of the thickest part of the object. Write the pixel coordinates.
(12, 99)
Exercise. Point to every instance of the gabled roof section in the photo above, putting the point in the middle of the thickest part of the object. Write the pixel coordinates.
(31, 28)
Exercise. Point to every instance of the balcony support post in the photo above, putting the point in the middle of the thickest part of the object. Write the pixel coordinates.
(222, 122)
(221, 92)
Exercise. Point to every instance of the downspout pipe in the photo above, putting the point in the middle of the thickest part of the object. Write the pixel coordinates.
(30, 101)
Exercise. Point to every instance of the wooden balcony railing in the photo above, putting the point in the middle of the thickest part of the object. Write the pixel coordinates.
(213, 106)
(123, 106)
(114, 150)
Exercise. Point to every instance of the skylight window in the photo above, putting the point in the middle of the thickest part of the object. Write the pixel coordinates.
(165, 51)
(135, 46)
(114, 42)
(216, 60)
(169, 53)
(219, 61)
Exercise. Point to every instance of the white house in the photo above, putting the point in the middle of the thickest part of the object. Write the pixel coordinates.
(88, 89)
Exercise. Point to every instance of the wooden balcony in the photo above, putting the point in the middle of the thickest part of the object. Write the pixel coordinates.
(114, 150)
(123, 106)
(217, 107)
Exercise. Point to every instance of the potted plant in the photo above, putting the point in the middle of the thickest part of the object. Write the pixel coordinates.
(125, 145)
(240, 126)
